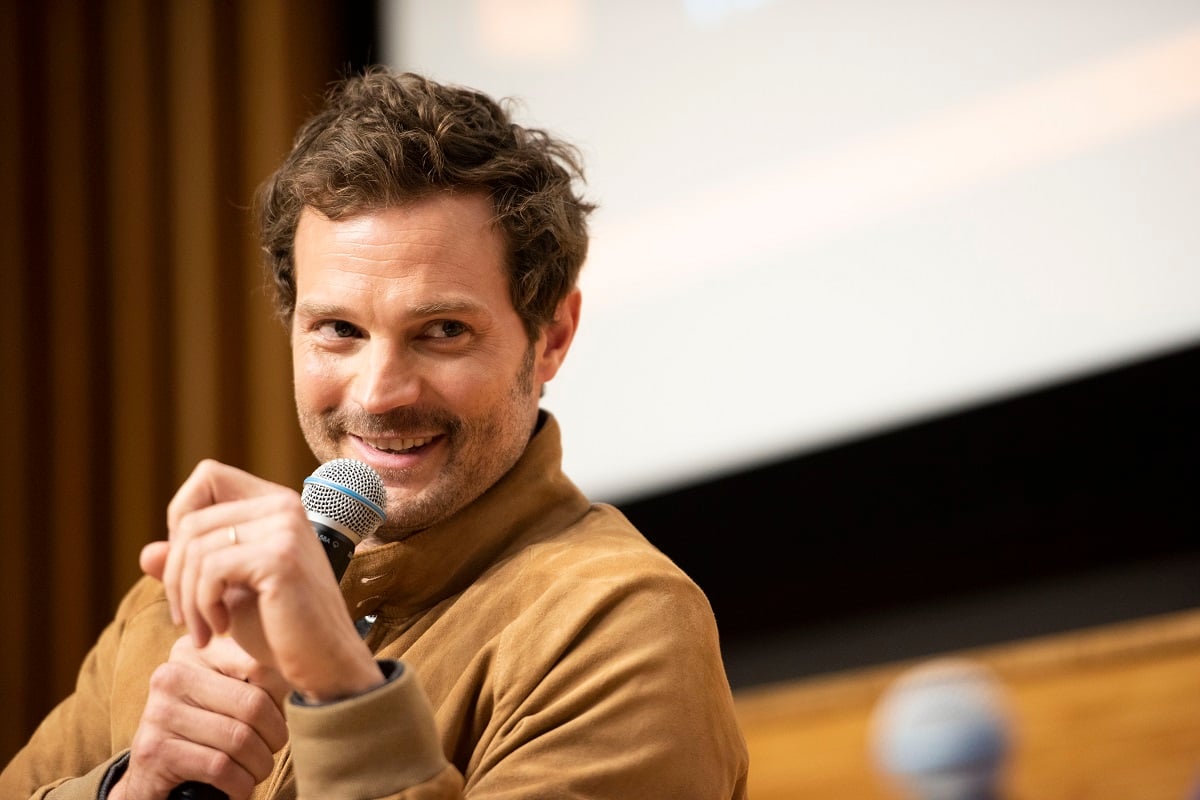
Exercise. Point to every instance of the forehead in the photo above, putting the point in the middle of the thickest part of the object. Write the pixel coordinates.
(446, 239)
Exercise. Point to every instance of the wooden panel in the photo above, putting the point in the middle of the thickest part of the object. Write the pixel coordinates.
(1104, 714)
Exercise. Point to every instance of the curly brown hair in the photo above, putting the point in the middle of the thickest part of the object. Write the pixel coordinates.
(385, 138)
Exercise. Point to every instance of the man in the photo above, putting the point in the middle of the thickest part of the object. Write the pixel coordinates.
(506, 637)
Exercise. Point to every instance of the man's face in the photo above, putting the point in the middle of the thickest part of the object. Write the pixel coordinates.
(408, 355)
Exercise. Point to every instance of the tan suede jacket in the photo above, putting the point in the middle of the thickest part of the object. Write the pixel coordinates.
(548, 651)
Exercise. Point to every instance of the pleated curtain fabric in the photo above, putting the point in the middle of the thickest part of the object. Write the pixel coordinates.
(136, 330)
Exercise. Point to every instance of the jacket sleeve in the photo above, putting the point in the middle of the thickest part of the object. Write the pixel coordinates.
(349, 748)
(623, 696)
(632, 700)
(613, 690)
(71, 751)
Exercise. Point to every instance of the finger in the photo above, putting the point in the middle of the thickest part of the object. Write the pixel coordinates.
(228, 657)
(221, 722)
(271, 681)
(210, 590)
(273, 591)
(244, 721)
(160, 761)
(153, 558)
(222, 655)
(195, 492)
(211, 484)
(202, 535)
(276, 552)
(225, 656)
(224, 585)
(201, 566)
(222, 742)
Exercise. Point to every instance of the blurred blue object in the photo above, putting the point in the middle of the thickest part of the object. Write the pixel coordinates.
(943, 731)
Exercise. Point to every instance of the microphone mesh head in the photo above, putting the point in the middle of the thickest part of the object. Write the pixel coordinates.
(348, 492)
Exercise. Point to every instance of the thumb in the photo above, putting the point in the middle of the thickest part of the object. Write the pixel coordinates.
(153, 558)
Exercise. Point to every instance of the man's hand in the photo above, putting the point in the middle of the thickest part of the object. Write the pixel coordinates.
(214, 716)
(243, 559)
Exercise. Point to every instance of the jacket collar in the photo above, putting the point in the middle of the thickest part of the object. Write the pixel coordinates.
(532, 501)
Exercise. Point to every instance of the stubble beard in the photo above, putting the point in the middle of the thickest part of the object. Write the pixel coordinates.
(481, 451)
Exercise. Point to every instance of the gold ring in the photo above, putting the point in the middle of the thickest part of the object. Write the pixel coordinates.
(233, 537)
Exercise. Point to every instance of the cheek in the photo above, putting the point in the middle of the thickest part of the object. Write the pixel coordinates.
(476, 383)
(316, 379)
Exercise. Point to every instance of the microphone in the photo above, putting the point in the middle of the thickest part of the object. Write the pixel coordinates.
(942, 731)
(344, 499)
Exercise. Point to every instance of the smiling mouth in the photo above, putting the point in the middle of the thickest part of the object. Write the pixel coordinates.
(406, 445)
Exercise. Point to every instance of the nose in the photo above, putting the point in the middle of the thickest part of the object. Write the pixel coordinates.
(386, 377)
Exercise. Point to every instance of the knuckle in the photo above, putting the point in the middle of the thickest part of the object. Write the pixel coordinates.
(259, 706)
(240, 736)
(286, 502)
(220, 765)
(182, 647)
(166, 677)
(148, 745)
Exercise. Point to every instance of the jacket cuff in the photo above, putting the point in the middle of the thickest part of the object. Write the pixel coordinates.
(92, 786)
(112, 775)
(371, 745)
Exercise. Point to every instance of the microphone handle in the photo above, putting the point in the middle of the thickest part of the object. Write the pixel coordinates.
(339, 548)
(193, 790)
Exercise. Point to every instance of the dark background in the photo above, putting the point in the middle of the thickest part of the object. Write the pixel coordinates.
(1071, 506)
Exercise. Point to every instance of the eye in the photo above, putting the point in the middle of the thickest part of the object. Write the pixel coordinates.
(446, 329)
(338, 329)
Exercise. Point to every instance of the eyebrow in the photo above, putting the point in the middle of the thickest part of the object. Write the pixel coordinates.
(319, 310)
(432, 309)
(445, 307)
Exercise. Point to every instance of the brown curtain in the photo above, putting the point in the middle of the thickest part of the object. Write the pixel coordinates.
(136, 334)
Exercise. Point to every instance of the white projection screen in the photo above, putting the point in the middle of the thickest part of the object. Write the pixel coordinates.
(822, 220)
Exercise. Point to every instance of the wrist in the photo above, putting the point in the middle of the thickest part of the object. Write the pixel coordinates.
(344, 684)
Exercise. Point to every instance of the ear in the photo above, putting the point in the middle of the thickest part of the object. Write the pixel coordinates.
(555, 341)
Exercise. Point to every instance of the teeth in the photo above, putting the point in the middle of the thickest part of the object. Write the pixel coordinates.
(397, 445)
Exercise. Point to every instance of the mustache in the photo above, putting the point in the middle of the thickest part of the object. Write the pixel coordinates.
(398, 420)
